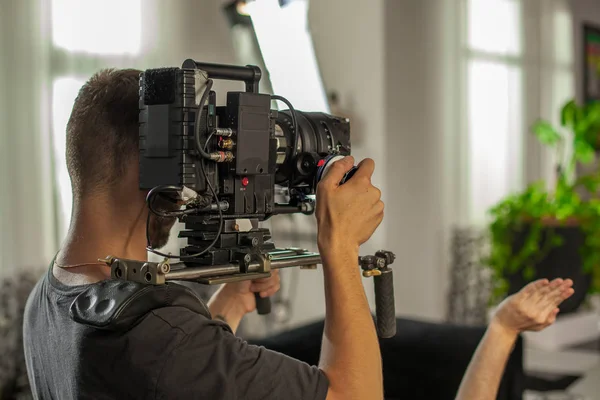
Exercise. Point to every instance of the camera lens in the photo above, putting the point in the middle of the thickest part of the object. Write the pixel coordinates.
(319, 135)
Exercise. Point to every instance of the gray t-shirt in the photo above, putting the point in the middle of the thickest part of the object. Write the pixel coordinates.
(173, 353)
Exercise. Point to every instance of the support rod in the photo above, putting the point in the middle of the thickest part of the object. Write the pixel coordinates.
(191, 273)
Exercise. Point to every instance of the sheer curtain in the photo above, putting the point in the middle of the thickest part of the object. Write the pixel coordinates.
(48, 49)
(517, 63)
(27, 200)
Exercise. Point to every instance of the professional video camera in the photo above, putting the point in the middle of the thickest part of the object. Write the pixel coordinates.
(220, 168)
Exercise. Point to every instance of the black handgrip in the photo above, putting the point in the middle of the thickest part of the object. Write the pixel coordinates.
(385, 304)
(263, 304)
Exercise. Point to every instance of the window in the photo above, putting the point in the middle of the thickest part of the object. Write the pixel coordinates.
(107, 27)
(86, 35)
(494, 26)
(517, 68)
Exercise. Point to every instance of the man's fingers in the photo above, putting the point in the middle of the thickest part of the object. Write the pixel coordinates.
(559, 294)
(552, 316)
(259, 287)
(567, 283)
(544, 291)
(266, 284)
(555, 283)
(540, 283)
(365, 169)
(549, 320)
(269, 292)
(567, 293)
(534, 286)
(335, 173)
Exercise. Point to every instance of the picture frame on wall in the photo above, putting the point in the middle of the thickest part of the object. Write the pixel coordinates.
(591, 53)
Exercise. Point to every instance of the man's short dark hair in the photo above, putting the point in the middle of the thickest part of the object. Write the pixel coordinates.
(102, 132)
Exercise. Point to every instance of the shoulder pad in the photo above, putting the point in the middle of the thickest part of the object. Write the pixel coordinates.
(116, 304)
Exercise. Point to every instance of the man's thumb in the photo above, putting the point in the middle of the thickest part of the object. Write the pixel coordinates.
(335, 173)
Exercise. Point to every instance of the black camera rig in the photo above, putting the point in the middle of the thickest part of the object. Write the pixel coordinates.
(220, 167)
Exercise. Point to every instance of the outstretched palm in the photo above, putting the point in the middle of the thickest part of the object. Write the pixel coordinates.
(535, 306)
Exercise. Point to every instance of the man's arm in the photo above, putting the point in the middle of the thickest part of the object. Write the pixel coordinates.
(234, 300)
(207, 358)
(350, 354)
(196, 357)
(533, 308)
(347, 216)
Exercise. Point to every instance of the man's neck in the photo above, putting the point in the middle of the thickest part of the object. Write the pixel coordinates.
(94, 234)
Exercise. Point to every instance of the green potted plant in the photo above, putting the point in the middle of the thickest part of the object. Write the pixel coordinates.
(541, 233)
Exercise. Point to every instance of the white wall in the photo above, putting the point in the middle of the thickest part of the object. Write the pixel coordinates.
(26, 204)
(583, 11)
(349, 43)
(420, 73)
(349, 46)
(388, 60)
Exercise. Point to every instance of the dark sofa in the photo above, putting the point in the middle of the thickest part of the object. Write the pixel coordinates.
(423, 361)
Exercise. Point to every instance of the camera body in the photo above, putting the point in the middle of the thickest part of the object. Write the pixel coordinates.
(251, 152)
(168, 154)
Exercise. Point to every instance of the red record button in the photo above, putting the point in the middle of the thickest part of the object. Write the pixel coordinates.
(321, 162)
(245, 181)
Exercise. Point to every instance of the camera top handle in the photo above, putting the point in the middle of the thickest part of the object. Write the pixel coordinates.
(249, 74)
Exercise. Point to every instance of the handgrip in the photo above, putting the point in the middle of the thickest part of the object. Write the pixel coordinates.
(250, 74)
(385, 304)
(263, 304)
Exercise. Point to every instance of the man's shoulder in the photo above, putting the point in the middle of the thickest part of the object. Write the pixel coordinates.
(187, 321)
(36, 298)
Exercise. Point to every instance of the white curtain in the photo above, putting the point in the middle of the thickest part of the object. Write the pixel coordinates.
(517, 66)
(27, 197)
(48, 48)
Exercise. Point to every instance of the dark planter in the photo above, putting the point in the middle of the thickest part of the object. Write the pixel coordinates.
(563, 261)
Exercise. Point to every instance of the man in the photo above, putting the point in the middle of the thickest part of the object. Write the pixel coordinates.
(176, 353)
(173, 352)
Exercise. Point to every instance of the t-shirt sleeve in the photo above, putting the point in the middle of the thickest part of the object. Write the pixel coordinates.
(209, 362)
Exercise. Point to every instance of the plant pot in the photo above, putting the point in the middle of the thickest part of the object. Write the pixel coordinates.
(562, 261)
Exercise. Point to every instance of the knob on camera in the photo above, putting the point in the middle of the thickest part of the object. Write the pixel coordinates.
(327, 162)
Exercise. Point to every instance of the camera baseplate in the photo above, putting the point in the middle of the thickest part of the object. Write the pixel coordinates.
(259, 265)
